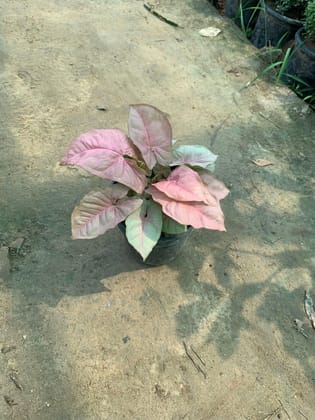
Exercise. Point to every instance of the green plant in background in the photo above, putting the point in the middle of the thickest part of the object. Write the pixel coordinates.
(301, 89)
(279, 59)
(309, 24)
(277, 69)
(247, 27)
(285, 6)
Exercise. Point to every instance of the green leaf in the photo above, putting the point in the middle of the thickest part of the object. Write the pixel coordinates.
(172, 227)
(144, 227)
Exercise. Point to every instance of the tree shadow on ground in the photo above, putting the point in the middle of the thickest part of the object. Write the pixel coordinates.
(54, 266)
(280, 242)
(51, 267)
(280, 307)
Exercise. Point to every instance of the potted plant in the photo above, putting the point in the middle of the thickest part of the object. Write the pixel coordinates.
(158, 193)
(300, 70)
(278, 21)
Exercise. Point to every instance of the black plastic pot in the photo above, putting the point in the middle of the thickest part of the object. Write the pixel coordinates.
(166, 250)
(233, 11)
(272, 28)
(301, 64)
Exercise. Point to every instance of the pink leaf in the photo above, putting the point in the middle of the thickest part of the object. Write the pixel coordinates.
(195, 214)
(151, 132)
(103, 153)
(184, 184)
(215, 187)
(100, 211)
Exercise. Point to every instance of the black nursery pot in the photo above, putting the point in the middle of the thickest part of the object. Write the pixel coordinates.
(271, 27)
(302, 65)
(232, 11)
(166, 250)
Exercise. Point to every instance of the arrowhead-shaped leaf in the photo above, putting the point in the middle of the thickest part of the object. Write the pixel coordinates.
(151, 132)
(184, 184)
(144, 226)
(102, 152)
(172, 227)
(190, 213)
(194, 155)
(215, 187)
(100, 211)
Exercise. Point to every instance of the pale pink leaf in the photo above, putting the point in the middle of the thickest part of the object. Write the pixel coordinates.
(100, 211)
(195, 214)
(150, 130)
(144, 226)
(215, 187)
(184, 184)
(194, 155)
(104, 153)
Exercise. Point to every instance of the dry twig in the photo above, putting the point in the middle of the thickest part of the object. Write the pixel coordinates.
(303, 415)
(150, 9)
(284, 409)
(197, 355)
(16, 382)
(199, 369)
(299, 327)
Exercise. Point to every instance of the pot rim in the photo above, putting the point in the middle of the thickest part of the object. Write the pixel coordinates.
(279, 16)
(300, 43)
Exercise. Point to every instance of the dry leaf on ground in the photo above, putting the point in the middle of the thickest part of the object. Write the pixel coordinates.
(210, 31)
(309, 308)
(262, 162)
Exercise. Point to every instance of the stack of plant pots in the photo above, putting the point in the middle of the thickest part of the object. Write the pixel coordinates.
(282, 24)
(273, 28)
(300, 70)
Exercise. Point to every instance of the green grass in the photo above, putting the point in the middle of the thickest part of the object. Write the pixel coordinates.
(278, 71)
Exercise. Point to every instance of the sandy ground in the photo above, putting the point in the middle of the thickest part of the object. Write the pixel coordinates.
(95, 334)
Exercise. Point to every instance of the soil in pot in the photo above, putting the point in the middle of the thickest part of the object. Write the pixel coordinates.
(273, 28)
(301, 65)
(166, 250)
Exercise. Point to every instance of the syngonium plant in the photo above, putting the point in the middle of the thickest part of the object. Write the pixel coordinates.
(156, 189)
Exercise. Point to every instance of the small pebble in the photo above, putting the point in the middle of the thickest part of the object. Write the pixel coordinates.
(126, 339)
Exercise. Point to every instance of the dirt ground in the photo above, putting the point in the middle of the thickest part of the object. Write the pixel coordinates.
(87, 332)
